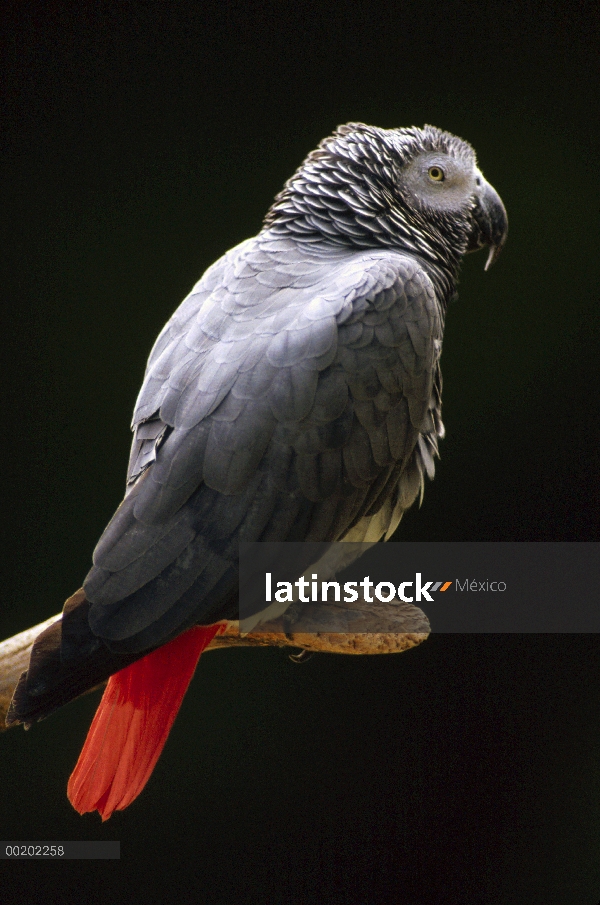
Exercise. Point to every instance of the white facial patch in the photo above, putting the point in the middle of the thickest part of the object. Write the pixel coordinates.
(421, 177)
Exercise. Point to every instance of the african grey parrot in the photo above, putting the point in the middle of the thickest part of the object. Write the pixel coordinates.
(295, 395)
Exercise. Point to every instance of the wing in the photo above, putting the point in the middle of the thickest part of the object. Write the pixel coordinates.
(294, 395)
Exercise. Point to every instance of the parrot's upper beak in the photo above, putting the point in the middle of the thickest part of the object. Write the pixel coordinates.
(490, 223)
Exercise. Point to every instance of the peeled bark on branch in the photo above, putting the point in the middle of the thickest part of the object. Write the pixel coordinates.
(405, 627)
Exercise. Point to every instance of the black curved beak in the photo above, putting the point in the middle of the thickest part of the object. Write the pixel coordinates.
(490, 222)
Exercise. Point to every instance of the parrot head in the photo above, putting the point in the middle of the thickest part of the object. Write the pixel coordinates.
(416, 189)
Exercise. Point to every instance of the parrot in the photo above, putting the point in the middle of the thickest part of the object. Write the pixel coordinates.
(294, 395)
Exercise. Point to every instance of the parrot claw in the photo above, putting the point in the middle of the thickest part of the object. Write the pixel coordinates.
(302, 657)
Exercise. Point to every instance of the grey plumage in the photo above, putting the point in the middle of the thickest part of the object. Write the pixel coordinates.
(301, 374)
(296, 392)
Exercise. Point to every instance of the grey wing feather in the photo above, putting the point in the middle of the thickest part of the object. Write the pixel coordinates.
(289, 397)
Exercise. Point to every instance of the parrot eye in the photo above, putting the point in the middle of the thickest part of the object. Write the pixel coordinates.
(436, 174)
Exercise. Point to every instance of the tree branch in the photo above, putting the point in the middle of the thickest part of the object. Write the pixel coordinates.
(360, 632)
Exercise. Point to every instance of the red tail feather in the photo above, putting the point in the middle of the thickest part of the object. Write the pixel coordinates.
(132, 723)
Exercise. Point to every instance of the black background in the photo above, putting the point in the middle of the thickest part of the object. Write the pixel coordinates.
(140, 142)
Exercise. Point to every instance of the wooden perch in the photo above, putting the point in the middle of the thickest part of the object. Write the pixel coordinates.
(405, 627)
